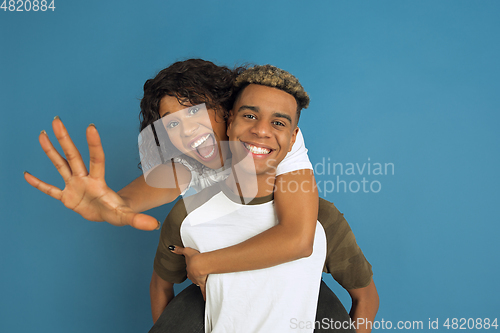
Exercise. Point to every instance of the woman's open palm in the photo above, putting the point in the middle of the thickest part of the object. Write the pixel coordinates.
(86, 192)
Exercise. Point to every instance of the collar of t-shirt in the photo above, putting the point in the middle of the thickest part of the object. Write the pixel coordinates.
(242, 200)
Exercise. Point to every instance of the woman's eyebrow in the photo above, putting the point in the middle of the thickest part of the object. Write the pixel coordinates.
(185, 109)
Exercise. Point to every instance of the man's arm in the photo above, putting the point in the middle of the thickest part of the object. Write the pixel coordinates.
(365, 304)
(161, 293)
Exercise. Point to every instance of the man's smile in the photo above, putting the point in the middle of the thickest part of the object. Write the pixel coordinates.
(257, 150)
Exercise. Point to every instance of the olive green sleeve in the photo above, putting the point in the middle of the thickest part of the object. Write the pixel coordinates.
(169, 266)
(344, 259)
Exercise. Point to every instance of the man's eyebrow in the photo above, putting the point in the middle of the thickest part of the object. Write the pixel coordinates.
(283, 115)
(256, 109)
(248, 107)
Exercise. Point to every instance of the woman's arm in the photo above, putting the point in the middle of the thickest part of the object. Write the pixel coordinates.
(289, 240)
(140, 197)
(87, 193)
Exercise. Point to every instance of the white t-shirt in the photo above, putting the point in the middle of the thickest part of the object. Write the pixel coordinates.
(274, 299)
(296, 159)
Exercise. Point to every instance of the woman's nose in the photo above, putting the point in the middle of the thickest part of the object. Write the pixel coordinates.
(189, 127)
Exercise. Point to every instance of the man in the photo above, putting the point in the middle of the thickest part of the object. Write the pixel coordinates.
(262, 125)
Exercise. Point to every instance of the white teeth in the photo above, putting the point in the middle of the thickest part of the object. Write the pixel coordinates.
(211, 153)
(257, 150)
(198, 142)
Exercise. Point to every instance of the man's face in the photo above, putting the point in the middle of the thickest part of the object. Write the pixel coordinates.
(263, 125)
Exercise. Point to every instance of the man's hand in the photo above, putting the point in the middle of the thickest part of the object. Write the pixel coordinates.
(193, 261)
(85, 192)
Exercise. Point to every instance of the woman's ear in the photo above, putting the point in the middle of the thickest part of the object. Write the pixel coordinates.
(229, 121)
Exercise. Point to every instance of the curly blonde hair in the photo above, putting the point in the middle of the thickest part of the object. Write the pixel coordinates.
(271, 76)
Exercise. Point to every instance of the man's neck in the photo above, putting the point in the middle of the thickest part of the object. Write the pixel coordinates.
(250, 186)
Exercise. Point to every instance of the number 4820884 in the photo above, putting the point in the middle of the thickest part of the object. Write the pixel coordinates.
(27, 5)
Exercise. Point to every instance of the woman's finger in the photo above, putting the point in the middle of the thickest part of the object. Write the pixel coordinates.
(48, 189)
(96, 153)
(176, 249)
(72, 154)
(144, 222)
(59, 162)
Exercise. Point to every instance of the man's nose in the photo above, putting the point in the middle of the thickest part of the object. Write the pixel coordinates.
(262, 128)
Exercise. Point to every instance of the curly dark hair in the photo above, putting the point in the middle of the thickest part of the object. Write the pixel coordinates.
(192, 81)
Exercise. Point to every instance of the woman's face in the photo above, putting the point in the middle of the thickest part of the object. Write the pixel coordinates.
(195, 131)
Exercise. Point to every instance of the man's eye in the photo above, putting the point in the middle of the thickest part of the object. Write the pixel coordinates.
(193, 111)
(172, 124)
(249, 116)
(278, 123)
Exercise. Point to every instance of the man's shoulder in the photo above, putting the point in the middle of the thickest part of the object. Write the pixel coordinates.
(192, 202)
(333, 221)
(328, 213)
(185, 206)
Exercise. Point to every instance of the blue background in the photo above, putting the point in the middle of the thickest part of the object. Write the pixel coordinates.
(413, 83)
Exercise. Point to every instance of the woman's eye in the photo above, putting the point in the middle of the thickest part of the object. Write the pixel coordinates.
(172, 124)
(193, 111)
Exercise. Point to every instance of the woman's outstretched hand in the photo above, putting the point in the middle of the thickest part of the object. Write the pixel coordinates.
(86, 192)
(193, 273)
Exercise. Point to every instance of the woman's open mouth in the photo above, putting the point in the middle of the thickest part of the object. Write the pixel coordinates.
(205, 147)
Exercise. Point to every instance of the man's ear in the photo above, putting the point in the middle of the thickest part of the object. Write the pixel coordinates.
(294, 136)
